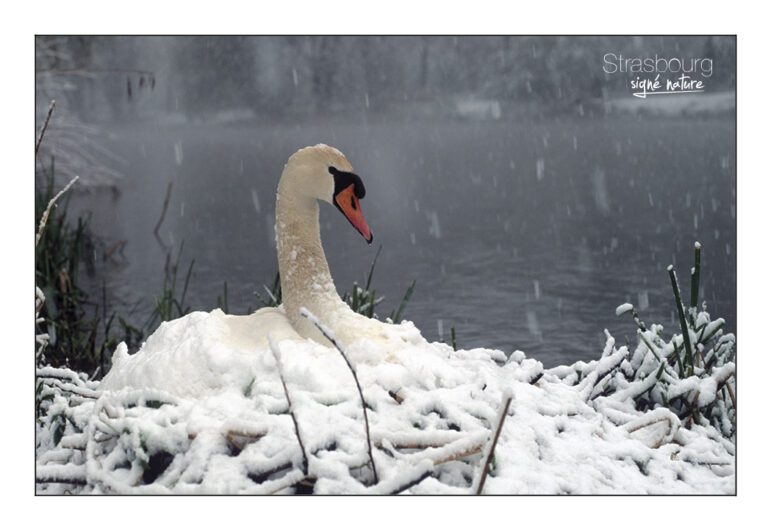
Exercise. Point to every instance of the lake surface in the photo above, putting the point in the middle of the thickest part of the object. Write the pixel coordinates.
(521, 235)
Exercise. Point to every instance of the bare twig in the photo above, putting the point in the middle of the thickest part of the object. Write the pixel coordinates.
(276, 353)
(166, 200)
(47, 212)
(328, 336)
(45, 126)
(397, 398)
(489, 457)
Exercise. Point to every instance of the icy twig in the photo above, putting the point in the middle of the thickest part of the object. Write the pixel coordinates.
(45, 126)
(329, 336)
(418, 440)
(629, 308)
(472, 450)
(74, 441)
(276, 353)
(453, 451)
(69, 474)
(711, 329)
(657, 416)
(656, 355)
(492, 448)
(610, 361)
(47, 212)
(73, 389)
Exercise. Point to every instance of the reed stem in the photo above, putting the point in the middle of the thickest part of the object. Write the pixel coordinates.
(695, 278)
(681, 318)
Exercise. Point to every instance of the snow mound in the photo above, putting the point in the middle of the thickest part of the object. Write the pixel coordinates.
(431, 412)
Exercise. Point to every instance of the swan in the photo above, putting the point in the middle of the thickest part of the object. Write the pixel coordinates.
(203, 351)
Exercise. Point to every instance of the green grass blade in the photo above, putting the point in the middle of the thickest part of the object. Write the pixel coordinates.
(681, 318)
(370, 272)
(397, 316)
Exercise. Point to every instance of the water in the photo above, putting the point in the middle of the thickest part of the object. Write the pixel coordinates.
(521, 235)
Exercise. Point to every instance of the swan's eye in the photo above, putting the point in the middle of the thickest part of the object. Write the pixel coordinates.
(343, 179)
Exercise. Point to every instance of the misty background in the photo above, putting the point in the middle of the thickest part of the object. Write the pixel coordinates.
(523, 188)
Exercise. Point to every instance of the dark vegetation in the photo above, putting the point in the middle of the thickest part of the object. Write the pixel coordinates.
(702, 355)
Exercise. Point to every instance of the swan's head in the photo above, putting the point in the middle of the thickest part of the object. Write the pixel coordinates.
(324, 173)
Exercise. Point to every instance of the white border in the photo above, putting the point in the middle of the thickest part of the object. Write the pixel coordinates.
(398, 16)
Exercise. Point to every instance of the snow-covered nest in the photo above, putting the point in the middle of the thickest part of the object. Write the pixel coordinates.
(431, 413)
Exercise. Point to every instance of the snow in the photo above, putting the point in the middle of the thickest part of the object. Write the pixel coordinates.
(178, 152)
(434, 224)
(255, 199)
(624, 308)
(532, 322)
(600, 191)
(642, 300)
(223, 425)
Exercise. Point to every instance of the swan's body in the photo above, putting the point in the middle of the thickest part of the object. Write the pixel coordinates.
(203, 350)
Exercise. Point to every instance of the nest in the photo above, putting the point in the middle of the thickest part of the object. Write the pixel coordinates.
(442, 422)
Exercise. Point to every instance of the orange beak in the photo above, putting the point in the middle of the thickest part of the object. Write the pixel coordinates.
(349, 205)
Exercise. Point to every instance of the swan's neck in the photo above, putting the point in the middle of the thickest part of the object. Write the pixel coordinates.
(304, 274)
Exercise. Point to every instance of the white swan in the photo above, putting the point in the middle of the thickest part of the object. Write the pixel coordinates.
(202, 351)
